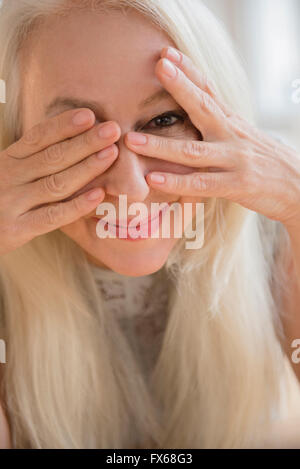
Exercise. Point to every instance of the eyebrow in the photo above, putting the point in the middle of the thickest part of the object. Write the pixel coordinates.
(73, 102)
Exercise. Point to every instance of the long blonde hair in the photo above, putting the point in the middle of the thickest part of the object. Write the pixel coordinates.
(70, 380)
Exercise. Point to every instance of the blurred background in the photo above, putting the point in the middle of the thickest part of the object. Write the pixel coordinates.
(266, 34)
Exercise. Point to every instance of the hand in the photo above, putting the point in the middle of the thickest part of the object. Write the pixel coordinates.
(242, 163)
(49, 163)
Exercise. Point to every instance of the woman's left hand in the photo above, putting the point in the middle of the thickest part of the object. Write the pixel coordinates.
(236, 161)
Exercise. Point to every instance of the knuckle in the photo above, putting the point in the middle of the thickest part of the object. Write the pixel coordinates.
(158, 145)
(239, 129)
(192, 149)
(176, 182)
(9, 152)
(204, 81)
(54, 185)
(210, 86)
(33, 135)
(52, 214)
(53, 154)
(200, 183)
(206, 102)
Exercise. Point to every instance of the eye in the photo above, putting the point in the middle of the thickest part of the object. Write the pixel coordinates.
(168, 119)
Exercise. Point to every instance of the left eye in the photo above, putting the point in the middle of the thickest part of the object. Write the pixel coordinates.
(166, 120)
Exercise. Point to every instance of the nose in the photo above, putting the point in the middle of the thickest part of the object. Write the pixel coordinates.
(126, 175)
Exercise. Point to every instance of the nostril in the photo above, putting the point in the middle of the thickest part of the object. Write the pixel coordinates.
(136, 190)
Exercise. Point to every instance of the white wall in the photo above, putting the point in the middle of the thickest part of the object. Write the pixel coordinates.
(242, 19)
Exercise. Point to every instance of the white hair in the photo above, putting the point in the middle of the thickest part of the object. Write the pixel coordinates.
(70, 380)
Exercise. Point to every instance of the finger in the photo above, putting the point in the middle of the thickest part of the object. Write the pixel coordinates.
(221, 184)
(192, 153)
(64, 154)
(185, 64)
(61, 185)
(50, 131)
(51, 217)
(203, 111)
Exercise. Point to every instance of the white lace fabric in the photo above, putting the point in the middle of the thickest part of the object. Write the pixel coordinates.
(140, 306)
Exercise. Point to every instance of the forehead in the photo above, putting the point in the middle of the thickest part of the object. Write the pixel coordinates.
(93, 54)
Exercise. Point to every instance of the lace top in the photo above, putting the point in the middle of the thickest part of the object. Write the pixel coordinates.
(140, 306)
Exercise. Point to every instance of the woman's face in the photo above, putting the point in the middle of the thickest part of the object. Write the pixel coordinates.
(109, 59)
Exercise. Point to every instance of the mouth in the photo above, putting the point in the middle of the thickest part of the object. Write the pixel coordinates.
(135, 231)
(126, 224)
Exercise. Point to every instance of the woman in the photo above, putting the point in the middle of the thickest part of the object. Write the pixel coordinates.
(219, 375)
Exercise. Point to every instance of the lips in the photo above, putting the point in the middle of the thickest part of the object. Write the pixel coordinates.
(145, 229)
(121, 223)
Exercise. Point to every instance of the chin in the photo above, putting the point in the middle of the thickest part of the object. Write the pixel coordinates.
(132, 260)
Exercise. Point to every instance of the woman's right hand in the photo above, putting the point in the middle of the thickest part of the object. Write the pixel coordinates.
(49, 163)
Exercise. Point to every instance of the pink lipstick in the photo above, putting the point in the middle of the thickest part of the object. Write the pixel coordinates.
(133, 231)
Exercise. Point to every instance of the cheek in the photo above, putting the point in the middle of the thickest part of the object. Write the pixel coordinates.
(76, 230)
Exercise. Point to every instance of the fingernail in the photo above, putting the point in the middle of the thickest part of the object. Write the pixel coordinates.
(173, 55)
(158, 178)
(95, 194)
(107, 152)
(106, 130)
(136, 139)
(81, 117)
(169, 69)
